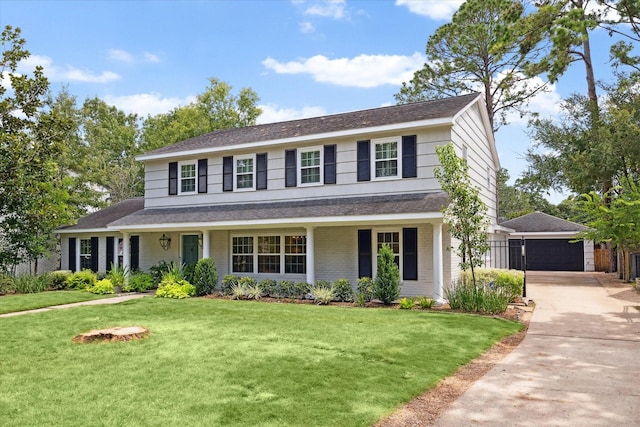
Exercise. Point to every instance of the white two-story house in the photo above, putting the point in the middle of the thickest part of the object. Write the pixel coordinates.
(301, 200)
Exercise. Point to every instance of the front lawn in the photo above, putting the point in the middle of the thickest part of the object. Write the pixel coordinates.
(218, 362)
(22, 302)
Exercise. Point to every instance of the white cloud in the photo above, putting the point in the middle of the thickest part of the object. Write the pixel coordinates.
(145, 104)
(67, 73)
(545, 103)
(273, 114)
(365, 71)
(306, 27)
(120, 55)
(150, 57)
(335, 9)
(439, 10)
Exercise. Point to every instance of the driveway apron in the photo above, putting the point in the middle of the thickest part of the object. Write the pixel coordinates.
(579, 364)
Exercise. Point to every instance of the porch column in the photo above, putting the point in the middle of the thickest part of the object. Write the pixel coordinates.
(311, 258)
(206, 244)
(438, 276)
(126, 254)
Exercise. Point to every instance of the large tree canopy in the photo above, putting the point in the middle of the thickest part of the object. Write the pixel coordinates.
(483, 49)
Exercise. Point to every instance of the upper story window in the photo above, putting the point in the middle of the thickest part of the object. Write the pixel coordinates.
(311, 169)
(187, 177)
(244, 172)
(386, 159)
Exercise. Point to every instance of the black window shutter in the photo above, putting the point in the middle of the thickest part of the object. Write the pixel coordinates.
(365, 267)
(173, 178)
(109, 252)
(94, 254)
(364, 165)
(227, 173)
(330, 164)
(261, 171)
(72, 254)
(134, 264)
(409, 155)
(410, 253)
(202, 175)
(290, 172)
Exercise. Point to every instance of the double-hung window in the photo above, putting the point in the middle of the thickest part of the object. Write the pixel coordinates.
(244, 172)
(391, 239)
(85, 254)
(310, 161)
(269, 254)
(242, 258)
(187, 177)
(387, 154)
(295, 254)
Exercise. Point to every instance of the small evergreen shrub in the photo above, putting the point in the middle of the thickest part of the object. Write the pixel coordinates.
(387, 281)
(342, 290)
(228, 283)
(322, 295)
(178, 289)
(58, 279)
(139, 282)
(81, 280)
(365, 289)
(269, 287)
(302, 290)
(102, 287)
(322, 284)
(6, 284)
(407, 303)
(188, 271)
(425, 303)
(286, 289)
(205, 277)
(158, 270)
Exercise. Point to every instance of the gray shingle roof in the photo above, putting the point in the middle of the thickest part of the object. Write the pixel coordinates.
(297, 209)
(101, 218)
(540, 222)
(426, 110)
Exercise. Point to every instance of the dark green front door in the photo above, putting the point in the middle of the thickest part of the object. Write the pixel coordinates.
(189, 249)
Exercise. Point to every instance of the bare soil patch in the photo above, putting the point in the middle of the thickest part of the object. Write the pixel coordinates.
(113, 334)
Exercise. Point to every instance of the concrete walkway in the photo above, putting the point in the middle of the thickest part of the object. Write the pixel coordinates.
(579, 364)
(112, 300)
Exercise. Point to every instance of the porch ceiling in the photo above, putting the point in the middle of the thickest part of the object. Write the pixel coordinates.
(401, 207)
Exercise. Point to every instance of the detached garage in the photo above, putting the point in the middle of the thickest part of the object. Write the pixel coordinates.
(548, 244)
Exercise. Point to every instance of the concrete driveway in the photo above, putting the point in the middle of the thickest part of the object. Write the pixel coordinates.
(579, 364)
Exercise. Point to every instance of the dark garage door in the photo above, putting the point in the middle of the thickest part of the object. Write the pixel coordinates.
(548, 255)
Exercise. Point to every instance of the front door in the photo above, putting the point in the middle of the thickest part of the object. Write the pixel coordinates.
(189, 249)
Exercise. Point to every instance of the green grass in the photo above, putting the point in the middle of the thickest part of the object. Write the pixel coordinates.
(21, 302)
(230, 363)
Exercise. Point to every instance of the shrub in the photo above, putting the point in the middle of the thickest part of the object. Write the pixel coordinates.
(102, 287)
(158, 270)
(322, 295)
(302, 290)
(360, 299)
(425, 303)
(228, 283)
(387, 282)
(511, 281)
(365, 289)
(205, 277)
(81, 280)
(58, 279)
(286, 289)
(139, 282)
(407, 303)
(254, 291)
(117, 276)
(188, 271)
(175, 289)
(269, 287)
(483, 298)
(6, 284)
(28, 284)
(342, 290)
(322, 284)
(240, 291)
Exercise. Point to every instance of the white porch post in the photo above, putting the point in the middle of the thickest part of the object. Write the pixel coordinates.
(311, 261)
(438, 277)
(126, 253)
(206, 244)
(116, 247)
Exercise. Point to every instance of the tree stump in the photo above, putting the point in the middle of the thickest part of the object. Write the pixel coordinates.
(128, 333)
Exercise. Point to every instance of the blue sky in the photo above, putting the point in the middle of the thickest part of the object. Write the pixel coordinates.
(303, 58)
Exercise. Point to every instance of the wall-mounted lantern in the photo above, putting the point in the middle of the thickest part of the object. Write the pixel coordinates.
(165, 242)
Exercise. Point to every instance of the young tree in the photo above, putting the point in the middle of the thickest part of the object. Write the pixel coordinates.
(483, 49)
(387, 281)
(465, 214)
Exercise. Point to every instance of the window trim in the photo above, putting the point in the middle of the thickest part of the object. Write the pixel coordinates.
(235, 172)
(282, 254)
(391, 139)
(320, 166)
(193, 163)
